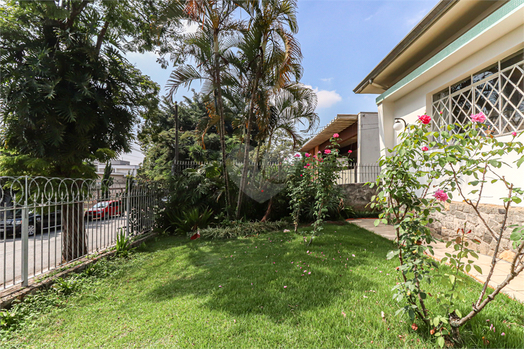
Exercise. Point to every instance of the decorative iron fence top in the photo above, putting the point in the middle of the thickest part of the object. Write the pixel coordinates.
(23, 190)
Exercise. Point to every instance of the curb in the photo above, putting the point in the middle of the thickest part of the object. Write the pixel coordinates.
(8, 296)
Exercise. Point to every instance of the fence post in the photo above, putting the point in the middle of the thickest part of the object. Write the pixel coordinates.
(128, 205)
(25, 237)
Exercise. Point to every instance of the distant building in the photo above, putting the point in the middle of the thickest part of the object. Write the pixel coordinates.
(120, 168)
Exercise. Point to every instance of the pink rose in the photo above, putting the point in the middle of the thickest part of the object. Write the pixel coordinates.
(514, 134)
(327, 151)
(440, 195)
(297, 155)
(424, 148)
(336, 135)
(480, 117)
(425, 119)
(307, 155)
(350, 151)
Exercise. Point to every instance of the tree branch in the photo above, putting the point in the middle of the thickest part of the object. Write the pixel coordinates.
(494, 259)
(100, 38)
(77, 10)
(488, 299)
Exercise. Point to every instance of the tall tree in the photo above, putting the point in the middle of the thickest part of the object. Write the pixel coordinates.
(208, 47)
(290, 107)
(272, 57)
(68, 95)
(199, 139)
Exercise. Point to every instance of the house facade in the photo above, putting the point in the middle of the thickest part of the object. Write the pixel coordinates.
(463, 58)
(358, 140)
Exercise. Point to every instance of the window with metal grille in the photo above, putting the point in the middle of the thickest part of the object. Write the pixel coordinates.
(497, 91)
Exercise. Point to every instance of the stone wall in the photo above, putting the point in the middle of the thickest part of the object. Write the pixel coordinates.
(456, 214)
(357, 196)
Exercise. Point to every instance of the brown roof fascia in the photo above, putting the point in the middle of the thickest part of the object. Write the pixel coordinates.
(344, 135)
(442, 7)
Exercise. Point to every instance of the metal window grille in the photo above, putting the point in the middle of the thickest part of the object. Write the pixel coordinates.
(497, 91)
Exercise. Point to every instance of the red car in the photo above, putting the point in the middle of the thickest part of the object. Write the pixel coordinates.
(104, 209)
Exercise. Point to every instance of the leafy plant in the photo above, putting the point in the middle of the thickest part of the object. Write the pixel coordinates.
(193, 219)
(10, 318)
(123, 245)
(66, 286)
(421, 173)
(235, 229)
(315, 175)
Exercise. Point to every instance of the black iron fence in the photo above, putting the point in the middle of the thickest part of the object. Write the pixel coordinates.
(48, 222)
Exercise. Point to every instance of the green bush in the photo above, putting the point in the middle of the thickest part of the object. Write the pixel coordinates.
(234, 229)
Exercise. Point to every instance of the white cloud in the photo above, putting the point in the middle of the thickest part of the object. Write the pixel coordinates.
(327, 79)
(325, 98)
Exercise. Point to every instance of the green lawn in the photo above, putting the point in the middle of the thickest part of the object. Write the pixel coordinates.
(255, 292)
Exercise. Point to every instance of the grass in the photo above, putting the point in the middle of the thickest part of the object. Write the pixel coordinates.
(255, 292)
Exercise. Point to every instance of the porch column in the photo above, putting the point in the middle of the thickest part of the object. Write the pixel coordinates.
(386, 117)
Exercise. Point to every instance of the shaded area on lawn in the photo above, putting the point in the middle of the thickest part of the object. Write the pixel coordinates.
(252, 273)
(168, 295)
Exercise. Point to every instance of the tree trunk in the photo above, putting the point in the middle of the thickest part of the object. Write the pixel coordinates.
(74, 242)
(268, 211)
(247, 139)
(249, 116)
(175, 166)
(220, 107)
(245, 166)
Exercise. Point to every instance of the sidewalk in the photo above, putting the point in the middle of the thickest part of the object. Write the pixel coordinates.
(515, 289)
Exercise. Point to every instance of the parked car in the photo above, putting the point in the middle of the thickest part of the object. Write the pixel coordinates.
(36, 222)
(104, 209)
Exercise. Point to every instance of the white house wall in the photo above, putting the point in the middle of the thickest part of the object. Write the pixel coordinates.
(368, 143)
(414, 99)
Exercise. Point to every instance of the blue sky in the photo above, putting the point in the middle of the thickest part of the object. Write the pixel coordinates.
(342, 41)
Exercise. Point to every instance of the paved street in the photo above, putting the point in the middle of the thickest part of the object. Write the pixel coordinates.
(45, 249)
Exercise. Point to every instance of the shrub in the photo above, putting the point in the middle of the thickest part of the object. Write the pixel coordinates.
(123, 245)
(418, 176)
(235, 229)
(313, 177)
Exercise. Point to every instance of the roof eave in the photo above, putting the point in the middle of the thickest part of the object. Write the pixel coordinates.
(367, 85)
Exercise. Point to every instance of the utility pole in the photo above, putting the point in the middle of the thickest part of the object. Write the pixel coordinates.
(175, 162)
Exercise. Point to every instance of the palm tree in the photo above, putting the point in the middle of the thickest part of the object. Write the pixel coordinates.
(208, 47)
(271, 58)
(292, 106)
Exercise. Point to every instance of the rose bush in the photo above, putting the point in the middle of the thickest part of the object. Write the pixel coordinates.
(418, 176)
(315, 177)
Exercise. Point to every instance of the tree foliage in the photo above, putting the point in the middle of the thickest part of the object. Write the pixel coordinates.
(68, 95)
